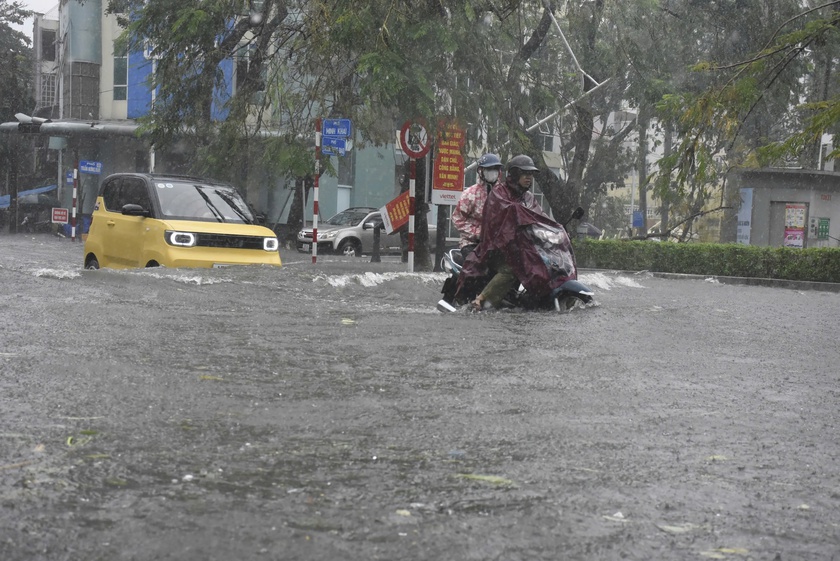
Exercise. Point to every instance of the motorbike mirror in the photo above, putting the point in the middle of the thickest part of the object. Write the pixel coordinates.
(577, 214)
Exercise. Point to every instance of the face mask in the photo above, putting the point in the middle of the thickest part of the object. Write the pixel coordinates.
(491, 175)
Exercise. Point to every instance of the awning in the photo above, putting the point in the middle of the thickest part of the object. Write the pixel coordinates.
(5, 200)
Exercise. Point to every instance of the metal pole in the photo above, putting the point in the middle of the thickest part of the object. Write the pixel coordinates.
(412, 189)
(315, 190)
(75, 195)
(568, 47)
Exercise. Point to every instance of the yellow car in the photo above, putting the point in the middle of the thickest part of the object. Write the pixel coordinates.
(149, 220)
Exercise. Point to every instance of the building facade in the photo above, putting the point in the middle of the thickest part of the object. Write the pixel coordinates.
(786, 208)
(91, 93)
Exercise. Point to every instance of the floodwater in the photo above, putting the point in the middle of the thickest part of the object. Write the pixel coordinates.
(329, 411)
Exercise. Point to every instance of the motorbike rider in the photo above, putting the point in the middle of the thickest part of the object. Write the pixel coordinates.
(505, 249)
(468, 212)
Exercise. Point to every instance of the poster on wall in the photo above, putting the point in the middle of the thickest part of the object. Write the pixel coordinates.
(745, 217)
(795, 224)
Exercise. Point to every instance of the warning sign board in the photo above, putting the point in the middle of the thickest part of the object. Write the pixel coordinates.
(448, 174)
(60, 215)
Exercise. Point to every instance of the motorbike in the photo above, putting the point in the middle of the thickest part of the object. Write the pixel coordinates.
(547, 240)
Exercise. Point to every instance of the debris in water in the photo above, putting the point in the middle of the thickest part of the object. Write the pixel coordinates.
(617, 517)
(491, 479)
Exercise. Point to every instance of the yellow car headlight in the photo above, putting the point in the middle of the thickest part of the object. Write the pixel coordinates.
(270, 244)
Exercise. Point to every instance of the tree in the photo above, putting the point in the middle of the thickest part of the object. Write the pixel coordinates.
(515, 72)
(753, 112)
(15, 61)
(15, 95)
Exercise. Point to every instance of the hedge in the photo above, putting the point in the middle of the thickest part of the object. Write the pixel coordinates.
(732, 260)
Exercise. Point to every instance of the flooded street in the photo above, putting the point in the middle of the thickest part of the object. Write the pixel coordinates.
(329, 411)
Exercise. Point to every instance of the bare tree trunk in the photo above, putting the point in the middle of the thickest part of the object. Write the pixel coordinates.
(664, 210)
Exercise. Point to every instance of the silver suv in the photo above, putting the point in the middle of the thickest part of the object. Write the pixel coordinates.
(350, 232)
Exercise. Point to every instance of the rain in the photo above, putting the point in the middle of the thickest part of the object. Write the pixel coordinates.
(328, 410)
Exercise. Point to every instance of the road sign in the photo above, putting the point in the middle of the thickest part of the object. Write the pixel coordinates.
(334, 144)
(338, 127)
(336, 137)
(69, 178)
(414, 139)
(60, 215)
(91, 167)
(638, 219)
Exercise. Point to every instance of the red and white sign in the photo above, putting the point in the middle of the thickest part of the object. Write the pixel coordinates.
(448, 174)
(795, 225)
(414, 139)
(60, 215)
(395, 213)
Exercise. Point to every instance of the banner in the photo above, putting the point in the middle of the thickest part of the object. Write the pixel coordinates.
(745, 217)
(795, 225)
(448, 174)
(395, 213)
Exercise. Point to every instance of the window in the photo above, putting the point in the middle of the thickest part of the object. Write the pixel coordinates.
(48, 93)
(122, 191)
(111, 195)
(120, 73)
(134, 192)
(242, 73)
(48, 45)
(242, 60)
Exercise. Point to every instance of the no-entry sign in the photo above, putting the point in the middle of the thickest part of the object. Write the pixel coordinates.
(414, 139)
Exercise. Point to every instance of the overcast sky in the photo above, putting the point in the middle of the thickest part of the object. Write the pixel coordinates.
(40, 6)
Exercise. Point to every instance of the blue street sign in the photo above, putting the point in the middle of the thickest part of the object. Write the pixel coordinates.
(70, 177)
(638, 219)
(91, 167)
(338, 127)
(333, 144)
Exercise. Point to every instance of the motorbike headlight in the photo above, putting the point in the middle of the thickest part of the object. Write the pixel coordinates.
(270, 244)
(181, 239)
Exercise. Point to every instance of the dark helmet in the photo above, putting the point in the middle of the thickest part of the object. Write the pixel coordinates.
(522, 163)
(489, 161)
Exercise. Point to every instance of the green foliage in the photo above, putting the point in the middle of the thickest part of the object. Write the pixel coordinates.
(812, 264)
(15, 62)
(755, 94)
(15, 76)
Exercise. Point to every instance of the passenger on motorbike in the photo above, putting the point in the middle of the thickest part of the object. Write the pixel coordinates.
(470, 208)
(506, 246)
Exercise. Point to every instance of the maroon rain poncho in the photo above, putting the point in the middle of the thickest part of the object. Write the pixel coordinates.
(536, 247)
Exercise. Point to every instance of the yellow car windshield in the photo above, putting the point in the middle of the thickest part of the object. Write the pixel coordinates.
(213, 203)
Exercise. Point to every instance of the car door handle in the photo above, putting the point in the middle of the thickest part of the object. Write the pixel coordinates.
(111, 223)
